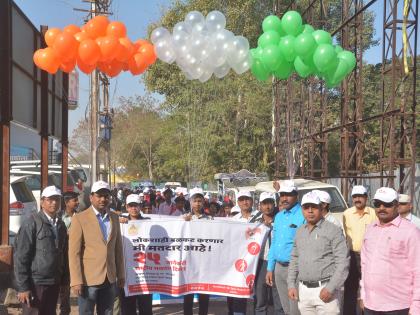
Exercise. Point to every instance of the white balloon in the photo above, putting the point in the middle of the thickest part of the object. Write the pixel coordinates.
(205, 76)
(196, 71)
(215, 21)
(188, 75)
(165, 51)
(243, 65)
(159, 34)
(198, 43)
(194, 17)
(180, 38)
(182, 27)
(221, 71)
(222, 36)
(238, 50)
(199, 29)
(216, 57)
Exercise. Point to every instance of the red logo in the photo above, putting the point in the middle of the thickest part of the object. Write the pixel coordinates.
(241, 265)
(254, 248)
(250, 281)
(250, 232)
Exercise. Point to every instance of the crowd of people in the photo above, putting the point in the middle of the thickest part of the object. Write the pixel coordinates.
(310, 262)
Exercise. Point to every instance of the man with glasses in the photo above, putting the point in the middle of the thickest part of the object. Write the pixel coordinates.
(95, 254)
(404, 209)
(355, 221)
(390, 260)
(286, 223)
(41, 256)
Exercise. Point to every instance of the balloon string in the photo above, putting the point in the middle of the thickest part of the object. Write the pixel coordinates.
(407, 4)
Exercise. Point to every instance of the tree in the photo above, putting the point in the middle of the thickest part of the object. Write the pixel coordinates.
(79, 144)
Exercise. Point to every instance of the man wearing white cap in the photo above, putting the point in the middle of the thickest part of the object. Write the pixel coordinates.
(404, 209)
(95, 253)
(40, 259)
(355, 221)
(325, 199)
(286, 223)
(390, 261)
(319, 262)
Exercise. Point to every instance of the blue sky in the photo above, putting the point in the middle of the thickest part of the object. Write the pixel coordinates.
(136, 15)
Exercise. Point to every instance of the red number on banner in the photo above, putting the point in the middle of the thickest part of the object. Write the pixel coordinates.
(155, 257)
(140, 257)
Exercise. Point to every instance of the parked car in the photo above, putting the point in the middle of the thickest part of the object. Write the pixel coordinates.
(22, 204)
(337, 206)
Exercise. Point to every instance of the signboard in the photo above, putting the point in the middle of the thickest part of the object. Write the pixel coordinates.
(73, 89)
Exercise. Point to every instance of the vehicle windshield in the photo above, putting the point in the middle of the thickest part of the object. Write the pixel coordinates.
(337, 202)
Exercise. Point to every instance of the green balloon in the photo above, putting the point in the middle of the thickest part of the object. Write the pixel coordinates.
(308, 29)
(292, 23)
(339, 72)
(338, 48)
(256, 53)
(301, 68)
(284, 70)
(287, 47)
(259, 71)
(322, 37)
(324, 57)
(271, 57)
(349, 57)
(271, 23)
(305, 45)
(268, 38)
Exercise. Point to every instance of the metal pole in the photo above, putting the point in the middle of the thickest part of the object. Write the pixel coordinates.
(93, 115)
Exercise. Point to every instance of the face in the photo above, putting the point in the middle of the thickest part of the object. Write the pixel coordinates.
(180, 203)
(267, 206)
(405, 207)
(51, 204)
(213, 209)
(147, 209)
(386, 211)
(227, 210)
(245, 203)
(312, 213)
(359, 201)
(288, 200)
(167, 196)
(324, 207)
(72, 204)
(100, 199)
(197, 203)
(133, 209)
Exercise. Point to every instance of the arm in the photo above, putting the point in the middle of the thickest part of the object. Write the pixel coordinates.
(25, 253)
(414, 260)
(293, 271)
(341, 259)
(65, 279)
(75, 252)
(271, 260)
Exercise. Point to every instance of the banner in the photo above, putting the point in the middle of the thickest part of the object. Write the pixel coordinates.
(176, 257)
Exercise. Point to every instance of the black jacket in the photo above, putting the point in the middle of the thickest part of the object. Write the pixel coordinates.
(40, 257)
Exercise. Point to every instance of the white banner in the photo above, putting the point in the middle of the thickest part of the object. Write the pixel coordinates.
(177, 257)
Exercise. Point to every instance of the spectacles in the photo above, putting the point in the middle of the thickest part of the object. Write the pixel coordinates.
(52, 199)
(378, 203)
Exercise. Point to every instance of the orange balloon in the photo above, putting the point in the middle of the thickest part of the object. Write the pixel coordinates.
(84, 67)
(109, 46)
(47, 60)
(51, 35)
(72, 29)
(65, 45)
(148, 53)
(140, 42)
(137, 64)
(96, 27)
(116, 29)
(68, 66)
(81, 36)
(112, 68)
(126, 49)
(125, 67)
(89, 52)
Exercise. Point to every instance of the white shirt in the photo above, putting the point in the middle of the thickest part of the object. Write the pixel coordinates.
(52, 221)
(413, 219)
(239, 217)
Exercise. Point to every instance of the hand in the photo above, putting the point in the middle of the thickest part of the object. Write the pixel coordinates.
(123, 220)
(269, 278)
(276, 185)
(77, 289)
(293, 294)
(25, 297)
(361, 305)
(121, 283)
(188, 217)
(325, 295)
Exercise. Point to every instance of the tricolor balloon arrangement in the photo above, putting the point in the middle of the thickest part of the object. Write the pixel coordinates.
(201, 47)
(100, 44)
(286, 46)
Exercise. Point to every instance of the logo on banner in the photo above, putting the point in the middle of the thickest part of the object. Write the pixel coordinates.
(241, 265)
(250, 281)
(133, 230)
(254, 248)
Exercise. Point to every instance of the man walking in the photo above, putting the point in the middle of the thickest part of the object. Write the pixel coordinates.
(404, 209)
(319, 261)
(390, 261)
(355, 221)
(41, 257)
(167, 207)
(95, 254)
(285, 226)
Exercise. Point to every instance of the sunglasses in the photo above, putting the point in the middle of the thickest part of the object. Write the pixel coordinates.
(378, 203)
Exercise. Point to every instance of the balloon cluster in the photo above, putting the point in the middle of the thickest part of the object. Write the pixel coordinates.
(201, 46)
(100, 43)
(287, 45)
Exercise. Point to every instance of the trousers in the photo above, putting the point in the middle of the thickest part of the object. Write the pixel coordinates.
(290, 307)
(44, 301)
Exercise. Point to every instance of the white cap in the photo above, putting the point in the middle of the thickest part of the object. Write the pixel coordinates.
(266, 195)
(244, 193)
(99, 185)
(323, 196)
(310, 197)
(287, 186)
(184, 191)
(50, 191)
(141, 195)
(196, 191)
(359, 190)
(179, 190)
(404, 198)
(207, 196)
(386, 194)
(133, 198)
(146, 190)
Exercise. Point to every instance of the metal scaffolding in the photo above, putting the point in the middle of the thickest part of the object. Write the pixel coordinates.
(307, 115)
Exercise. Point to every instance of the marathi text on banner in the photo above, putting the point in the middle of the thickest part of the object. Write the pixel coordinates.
(177, 257)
